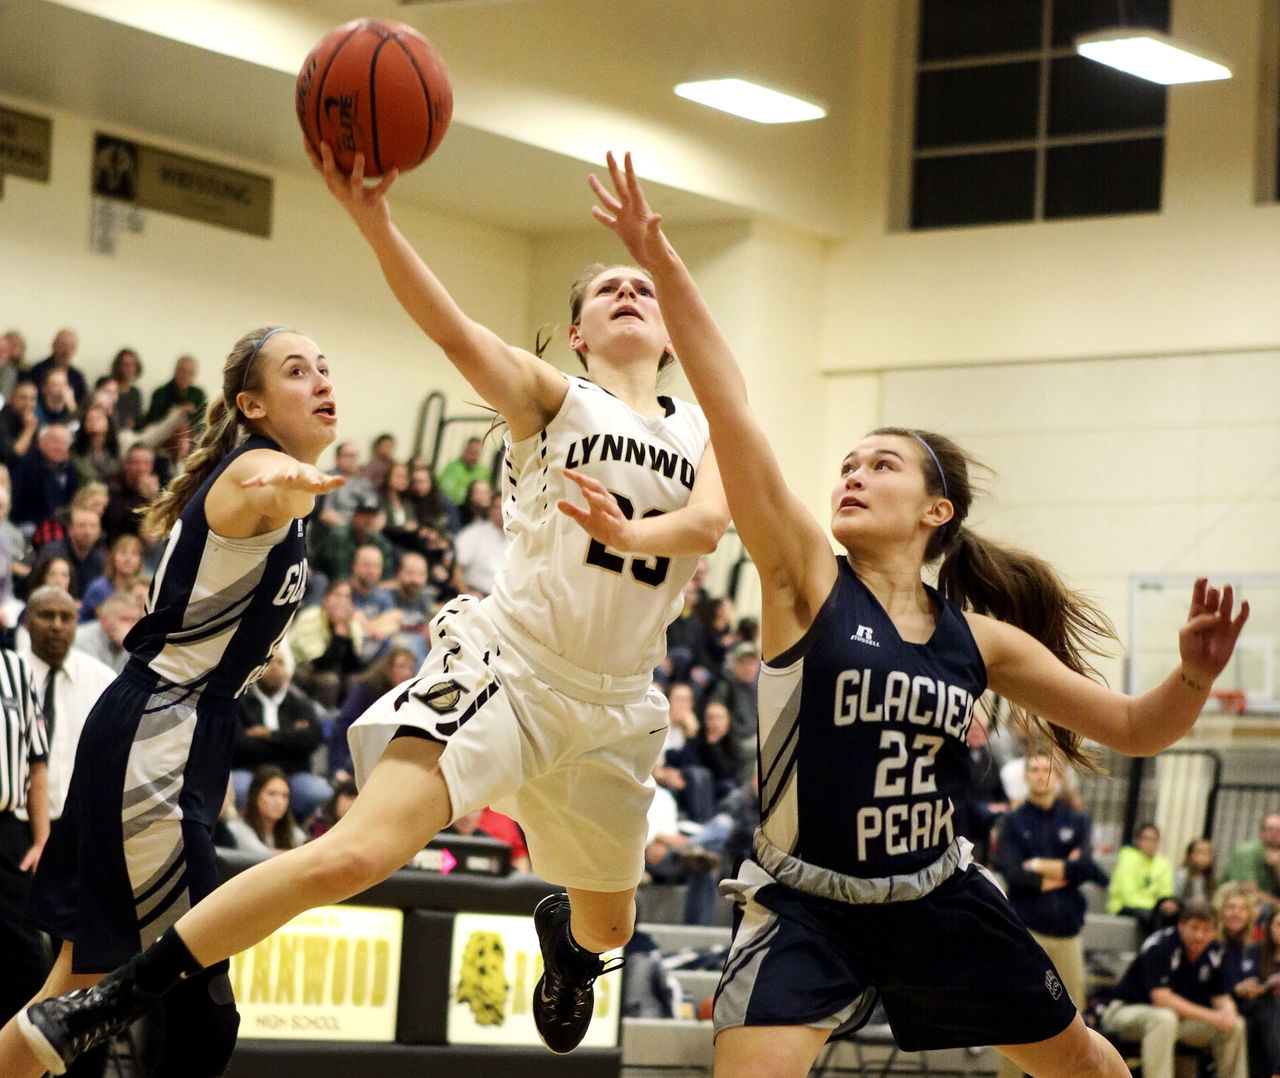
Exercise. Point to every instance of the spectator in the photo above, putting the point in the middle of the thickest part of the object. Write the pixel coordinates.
(709, 763)
(95, 450)
(480, 550)
(15, 564)
(401, 527)
(123, 569)
(739, 693)
(505, 829)
(18, 423)
(1142, 883)
(128, 490)
(56, 401)
(54, 570)
(688, 655)
(441, 563)
(267, 826)
(328, 814)
(459, 474)
(985, 801)
(17, 350)
(432, 508)
(1196, 880)
(671, 856)
(414, 598)
(375, 610)
(395, 667)
(336, 552)
(9, 371)
(475, 503)
(1238, 917)
(326, 643)
(682, 720)
(1255, 863)
(63, 352)
(338, 506)
(382, 455)
(182, 392)
(279, 725)
(1013, 777)
(103, 637)
(83, 548)
(1264, 1015)
(1173, 992)
(126, 369)
(44, 483)
(1045, 853)
(67, 682)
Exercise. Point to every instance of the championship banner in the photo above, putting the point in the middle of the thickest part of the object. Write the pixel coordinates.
(496, 962)
(155, 179)
(26, 145)
(331, 973)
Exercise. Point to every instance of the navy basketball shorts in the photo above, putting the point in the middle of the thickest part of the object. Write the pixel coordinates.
(134, 850)
(953, 969)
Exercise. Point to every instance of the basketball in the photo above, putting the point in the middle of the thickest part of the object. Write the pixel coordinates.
(376, 87)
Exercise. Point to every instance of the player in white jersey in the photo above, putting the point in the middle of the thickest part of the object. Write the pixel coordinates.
(538, 698)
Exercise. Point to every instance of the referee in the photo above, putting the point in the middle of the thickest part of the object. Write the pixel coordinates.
(24, 784)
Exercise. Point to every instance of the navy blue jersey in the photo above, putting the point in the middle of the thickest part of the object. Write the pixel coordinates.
(1163, 963)
(862, 736)
(218, 606)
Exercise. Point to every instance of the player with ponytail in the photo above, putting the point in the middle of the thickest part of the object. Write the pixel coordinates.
(134, 849)
(859, 886)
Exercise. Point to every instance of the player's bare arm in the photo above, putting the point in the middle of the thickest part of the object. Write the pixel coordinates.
(1024, 670)
(262, 490)
(526, 390)
(788, 546)
(695, 528)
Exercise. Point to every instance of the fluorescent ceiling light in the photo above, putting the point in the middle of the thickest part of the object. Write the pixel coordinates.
(1151, 55)
(750, 101)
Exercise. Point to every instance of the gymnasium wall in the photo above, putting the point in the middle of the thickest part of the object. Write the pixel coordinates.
(179, 286)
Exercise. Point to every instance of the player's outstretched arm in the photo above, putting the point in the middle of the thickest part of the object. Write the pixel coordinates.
(788, 546)
(524, 389)
(1026, 672)
(694, 528)
(262, 490)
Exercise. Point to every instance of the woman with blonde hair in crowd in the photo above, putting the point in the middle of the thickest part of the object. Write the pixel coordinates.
(123, 570)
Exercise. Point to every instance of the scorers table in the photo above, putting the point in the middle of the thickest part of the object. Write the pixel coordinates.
(429, 972)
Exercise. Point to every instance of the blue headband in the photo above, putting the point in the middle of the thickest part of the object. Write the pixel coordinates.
(941, 474)
(257, 347)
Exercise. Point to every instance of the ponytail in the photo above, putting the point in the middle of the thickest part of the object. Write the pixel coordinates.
(1023, 590)
(225, 427)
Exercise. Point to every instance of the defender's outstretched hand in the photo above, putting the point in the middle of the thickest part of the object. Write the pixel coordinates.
(1210, 633)
(628, 214)
(363, 202)
(602, 519)
(289, 474)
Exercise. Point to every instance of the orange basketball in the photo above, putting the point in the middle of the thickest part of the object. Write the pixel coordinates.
(376, 87)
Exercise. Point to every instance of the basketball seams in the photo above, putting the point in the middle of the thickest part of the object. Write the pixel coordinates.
(373, 100)
(426, 94)
(318, 84)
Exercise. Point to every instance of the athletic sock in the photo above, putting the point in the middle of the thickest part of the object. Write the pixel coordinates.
(164, 964)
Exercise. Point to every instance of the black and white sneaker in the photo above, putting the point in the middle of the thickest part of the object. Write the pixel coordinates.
(562, 1003)
(60, 1029)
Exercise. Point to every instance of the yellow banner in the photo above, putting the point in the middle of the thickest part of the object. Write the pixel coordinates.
(331, 973)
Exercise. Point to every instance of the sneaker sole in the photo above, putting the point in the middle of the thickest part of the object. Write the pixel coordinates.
(40, 1045)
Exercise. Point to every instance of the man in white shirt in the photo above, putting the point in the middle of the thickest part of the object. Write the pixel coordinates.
(480, 552)
(67, 682)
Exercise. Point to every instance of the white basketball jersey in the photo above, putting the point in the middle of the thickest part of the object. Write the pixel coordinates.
(601, 609)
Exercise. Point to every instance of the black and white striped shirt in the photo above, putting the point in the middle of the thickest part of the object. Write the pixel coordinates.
(22, 736)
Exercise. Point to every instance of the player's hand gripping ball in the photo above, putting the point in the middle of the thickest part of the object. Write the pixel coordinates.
(378, 88)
